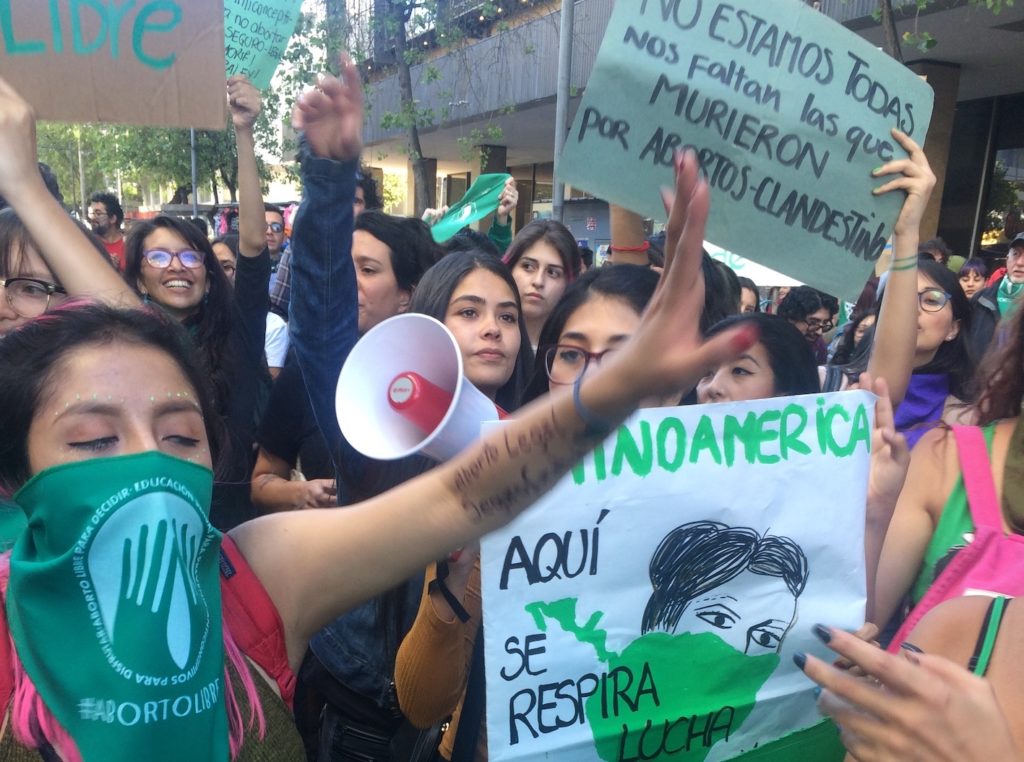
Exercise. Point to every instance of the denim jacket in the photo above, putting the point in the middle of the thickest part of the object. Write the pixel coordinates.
(324, 326)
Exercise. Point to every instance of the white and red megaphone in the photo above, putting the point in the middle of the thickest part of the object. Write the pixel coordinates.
(402, 391)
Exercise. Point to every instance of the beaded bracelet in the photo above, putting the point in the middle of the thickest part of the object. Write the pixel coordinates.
(595, 426)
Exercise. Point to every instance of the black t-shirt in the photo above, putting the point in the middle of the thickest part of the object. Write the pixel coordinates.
(289, 431)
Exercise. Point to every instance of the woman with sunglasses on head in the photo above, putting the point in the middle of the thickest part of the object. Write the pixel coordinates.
(172, 265)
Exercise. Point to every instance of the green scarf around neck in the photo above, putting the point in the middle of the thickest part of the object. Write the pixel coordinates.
(1008, 296)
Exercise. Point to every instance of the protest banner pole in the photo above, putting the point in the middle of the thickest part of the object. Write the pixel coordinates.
(195, 179)
(81, 176)
(565, 30)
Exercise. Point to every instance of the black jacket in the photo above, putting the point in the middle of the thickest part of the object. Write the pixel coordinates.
(984, 319)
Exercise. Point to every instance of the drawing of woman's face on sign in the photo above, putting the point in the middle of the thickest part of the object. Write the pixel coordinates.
(750, 612)
(729, 581)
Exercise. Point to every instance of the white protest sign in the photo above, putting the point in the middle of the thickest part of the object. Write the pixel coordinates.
(649, 606)
(788, 112)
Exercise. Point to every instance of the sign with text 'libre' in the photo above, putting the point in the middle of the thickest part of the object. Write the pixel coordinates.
(648, 607)
(788, 111)
(156, 62)
(256, 33)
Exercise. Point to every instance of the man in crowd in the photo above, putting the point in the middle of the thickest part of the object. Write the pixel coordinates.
(366, 198)
(105, 217)
(998, 301)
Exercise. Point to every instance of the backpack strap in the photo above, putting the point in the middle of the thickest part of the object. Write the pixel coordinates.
(252, 618)
(977, 474)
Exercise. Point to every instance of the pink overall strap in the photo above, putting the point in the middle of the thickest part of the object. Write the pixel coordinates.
(977, 473)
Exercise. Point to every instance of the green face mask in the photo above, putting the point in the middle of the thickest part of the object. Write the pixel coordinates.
(114, 606)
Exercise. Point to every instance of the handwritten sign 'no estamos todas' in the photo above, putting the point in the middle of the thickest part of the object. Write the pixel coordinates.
(787, 110)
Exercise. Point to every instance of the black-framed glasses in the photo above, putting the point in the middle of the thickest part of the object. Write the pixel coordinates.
(565, 363)
(933, 299)
(275, 227)
(819, 325)
(161, 259)
(94, 215)
(30, 297)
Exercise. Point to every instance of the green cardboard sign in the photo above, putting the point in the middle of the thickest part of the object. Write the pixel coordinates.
(788, 111)
(480, 200)
(256, 33)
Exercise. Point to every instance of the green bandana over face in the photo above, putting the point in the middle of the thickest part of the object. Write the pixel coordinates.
(1008, 296)
(114, 607)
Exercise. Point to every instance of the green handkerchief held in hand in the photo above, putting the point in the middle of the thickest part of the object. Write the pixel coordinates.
(480, 200)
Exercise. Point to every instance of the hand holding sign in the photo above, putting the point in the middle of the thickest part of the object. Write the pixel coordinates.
(917, 180)
(331, 114)
(244, 102)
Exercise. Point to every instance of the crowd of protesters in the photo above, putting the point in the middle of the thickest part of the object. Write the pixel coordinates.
(337, 634)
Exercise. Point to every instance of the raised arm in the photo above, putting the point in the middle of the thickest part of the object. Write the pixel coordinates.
(323, 313)
(933, 471)
(629, 243)
(892, 355)
(80, 268)
(500, 232)
(245, 104)
(317, 564)
(890, 460)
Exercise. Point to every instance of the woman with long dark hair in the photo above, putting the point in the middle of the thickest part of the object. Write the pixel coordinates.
(544, 260)
(172, 265)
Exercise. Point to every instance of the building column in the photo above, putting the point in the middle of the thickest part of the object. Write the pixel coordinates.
(944, 79)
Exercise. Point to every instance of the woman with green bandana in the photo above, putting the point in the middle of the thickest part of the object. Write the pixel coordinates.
(114, 602)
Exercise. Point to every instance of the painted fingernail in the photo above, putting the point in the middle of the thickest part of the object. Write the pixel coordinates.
(744, 338)
(822, 633)
(876, 170)
(817, 692)
(800, 659)
(911, 647)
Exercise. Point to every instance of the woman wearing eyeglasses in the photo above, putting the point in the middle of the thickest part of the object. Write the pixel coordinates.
(943, 365)
(28, 285)
(172, 265)
(45, 256)
(812, 312)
